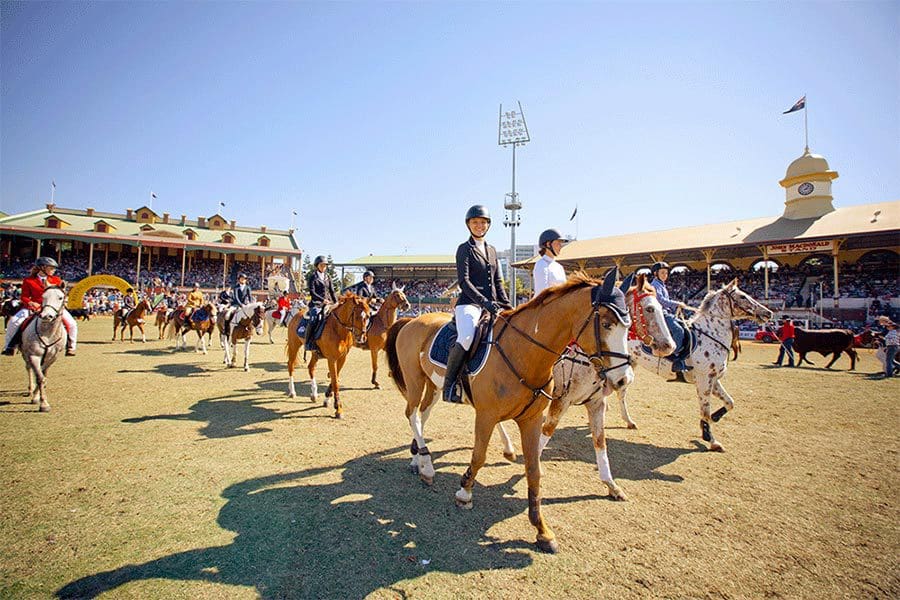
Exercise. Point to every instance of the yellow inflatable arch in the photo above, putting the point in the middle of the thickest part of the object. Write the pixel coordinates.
(77, 291)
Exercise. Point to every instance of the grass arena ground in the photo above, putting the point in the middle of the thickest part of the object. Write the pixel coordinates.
(164, 475)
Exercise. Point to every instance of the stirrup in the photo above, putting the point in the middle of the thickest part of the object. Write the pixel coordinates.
(453, 394)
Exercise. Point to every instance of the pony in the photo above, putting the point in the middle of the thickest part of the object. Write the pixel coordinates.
(179, 325)
(575, 381)
(711, 326)
(43, 338)
(380, 324)
(134, 318)
(163, 315)
(243, 322)
(272, 322)
(8, 309)
(513, 383)
(345, 324)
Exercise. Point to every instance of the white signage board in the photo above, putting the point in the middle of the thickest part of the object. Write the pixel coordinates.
(800, 247)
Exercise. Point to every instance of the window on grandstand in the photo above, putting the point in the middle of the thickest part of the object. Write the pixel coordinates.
(52, 223)
(759, 265)
(720, 267)
(190, 234)
(101, 228)
(228, 238)
(263, 241)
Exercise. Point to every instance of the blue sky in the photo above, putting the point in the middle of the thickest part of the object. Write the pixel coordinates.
(377, 121)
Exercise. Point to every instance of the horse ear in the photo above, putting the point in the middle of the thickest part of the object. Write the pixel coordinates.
(609, 282)
(732, 284)
(627, 283)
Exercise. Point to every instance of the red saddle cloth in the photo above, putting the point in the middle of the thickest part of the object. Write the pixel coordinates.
(276, 315)
(17, 339)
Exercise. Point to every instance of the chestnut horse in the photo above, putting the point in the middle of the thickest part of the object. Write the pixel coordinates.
(345, 324)
(514, 382)
(162, 319)
(134, 318)
(243, 322)
(179, 326)
(381, 322)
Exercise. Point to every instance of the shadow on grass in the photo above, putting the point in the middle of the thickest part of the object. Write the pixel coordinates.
(632, 461)
(174, 370)
(299, 538)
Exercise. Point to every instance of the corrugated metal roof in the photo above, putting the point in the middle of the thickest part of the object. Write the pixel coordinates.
(411, 260)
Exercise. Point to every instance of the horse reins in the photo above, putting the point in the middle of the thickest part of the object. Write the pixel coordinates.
(634, 332)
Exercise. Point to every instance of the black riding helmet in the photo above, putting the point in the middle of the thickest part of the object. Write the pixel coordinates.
(319, 260)
(478, 211)
(548, 237)
(46, 261)
(369, 274)
(659, 265)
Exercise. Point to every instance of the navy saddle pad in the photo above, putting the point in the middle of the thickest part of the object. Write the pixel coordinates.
(303, 325)
(199, 315)
(444, 340)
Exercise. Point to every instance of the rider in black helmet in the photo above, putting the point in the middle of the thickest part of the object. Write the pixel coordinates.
(660, 271)
(481, 288)
(321, 292)
(547, 271)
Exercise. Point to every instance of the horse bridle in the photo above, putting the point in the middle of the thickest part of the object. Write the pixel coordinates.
(358, 332)
(639, 322)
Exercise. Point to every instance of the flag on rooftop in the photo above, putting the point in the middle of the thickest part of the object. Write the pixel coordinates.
(799, 105)
(53, 183)
(152, 195)
(575, 212)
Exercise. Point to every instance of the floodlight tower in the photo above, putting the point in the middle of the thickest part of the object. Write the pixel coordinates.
(512, 131)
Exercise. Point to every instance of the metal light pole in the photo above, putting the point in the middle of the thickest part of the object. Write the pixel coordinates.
(512, 131)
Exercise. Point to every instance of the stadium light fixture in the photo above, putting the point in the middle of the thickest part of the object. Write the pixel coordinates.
(512, 131)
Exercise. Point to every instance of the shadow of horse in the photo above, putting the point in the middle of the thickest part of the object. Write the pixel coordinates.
(226, 418)
(634, 461)
(174, 370)
(143, 351)
(299, 537)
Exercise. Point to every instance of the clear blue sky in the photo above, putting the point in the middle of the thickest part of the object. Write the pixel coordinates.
(377, 122)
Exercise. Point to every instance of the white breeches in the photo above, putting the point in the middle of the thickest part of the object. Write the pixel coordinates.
(16, 321)
(467, 317)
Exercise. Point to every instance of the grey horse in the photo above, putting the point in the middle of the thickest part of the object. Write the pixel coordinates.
(42, 340)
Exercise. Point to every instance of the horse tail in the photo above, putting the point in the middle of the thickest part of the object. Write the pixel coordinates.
(390, 347)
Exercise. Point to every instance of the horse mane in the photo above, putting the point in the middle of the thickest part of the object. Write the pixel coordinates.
(706, 304)
(576, 280)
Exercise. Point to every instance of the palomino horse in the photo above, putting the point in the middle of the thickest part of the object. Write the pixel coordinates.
(345, 324)
(243, 322)
(162, 319)
(381, 322)
(512, 384)
(134, 318)
(179, 325)
(43, 338)
(711, 326)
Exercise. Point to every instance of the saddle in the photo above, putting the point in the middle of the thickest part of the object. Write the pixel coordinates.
(17, 337)
(312, 325)
(201, 314)
(477, 353)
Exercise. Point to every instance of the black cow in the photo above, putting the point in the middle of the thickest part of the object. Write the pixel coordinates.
(825, 342)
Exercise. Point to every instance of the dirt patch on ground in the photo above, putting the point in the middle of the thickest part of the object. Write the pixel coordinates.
(161, 475)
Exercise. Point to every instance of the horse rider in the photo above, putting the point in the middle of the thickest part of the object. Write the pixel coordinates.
(241, 294)
(365, 289)
(224, 299)
(43, 275)
(478, 276)
(321, 292)
(660, 271)
(128, 304)
(194, 301)
(547, 271)
(284, 307)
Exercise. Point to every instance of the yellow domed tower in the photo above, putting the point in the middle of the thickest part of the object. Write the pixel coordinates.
(807, 187)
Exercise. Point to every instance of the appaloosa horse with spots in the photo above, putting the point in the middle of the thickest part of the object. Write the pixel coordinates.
(711, 326)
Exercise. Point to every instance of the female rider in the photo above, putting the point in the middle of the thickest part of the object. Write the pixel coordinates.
(481, 289)
(547, 271)
(33, 286)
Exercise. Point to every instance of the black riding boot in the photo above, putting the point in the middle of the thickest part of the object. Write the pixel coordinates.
(454, 364)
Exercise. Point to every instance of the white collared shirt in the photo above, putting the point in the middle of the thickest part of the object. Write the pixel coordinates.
(547, 272)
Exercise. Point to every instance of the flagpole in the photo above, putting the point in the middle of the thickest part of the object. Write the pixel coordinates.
(805, 125)
(576, 221)
(52, 191)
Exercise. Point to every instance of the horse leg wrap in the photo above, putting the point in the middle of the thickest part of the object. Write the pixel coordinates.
(704, 427)
(467, 481)
(719, 414)
(423, 451)
(414, 447)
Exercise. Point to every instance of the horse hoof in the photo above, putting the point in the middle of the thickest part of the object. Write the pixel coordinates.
(377, 387)
(246, 369)
(510, 456)
(338, 416)
(325, 404)
(618, 495)
(44, 408)
(430, 480)
(463, 505)
(632, 426)
(414, 469)
(716, 447)
(548, 546)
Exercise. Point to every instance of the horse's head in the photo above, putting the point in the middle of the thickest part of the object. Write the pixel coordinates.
(741, 305)
(353, 313)
(53, 302)
(259, 315)
(145, 305)
(604, 334)
(396, 299)
(648, 318)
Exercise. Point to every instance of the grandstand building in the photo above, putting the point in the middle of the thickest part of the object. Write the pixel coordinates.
(142, 242)
(811, 238)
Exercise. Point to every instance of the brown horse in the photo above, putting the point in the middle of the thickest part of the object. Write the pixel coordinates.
(345, 324)
(241, 326)
(134, 318)
(381, 322)
(179, 325)
(735, 341)
(515, 381)
(162, 319)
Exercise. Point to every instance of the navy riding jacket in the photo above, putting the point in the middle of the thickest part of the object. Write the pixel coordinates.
(479, 275)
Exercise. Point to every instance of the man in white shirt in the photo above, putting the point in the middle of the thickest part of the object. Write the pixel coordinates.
(547, 271)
